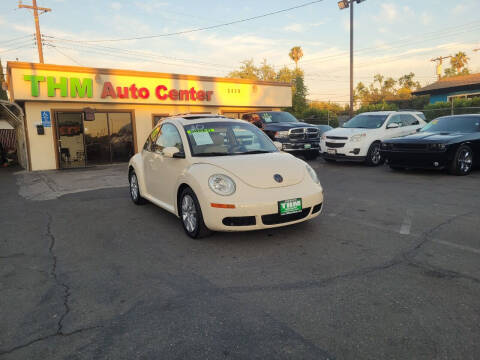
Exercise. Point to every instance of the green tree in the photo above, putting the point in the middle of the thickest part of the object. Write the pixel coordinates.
(458, 65)
(299, 98)
(266, 72)
(285, 75)
(3, 93)
(247, 70)
(296, 53)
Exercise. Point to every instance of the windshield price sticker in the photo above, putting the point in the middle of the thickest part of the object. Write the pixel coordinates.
(267, 117)
(202, 137)
(291, 206)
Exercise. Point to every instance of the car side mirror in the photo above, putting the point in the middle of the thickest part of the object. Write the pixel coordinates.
(170, 151)
(278, 145)
(393, 126)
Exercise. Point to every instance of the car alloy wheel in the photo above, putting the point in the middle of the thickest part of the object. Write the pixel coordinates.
(189, 214)
(134, 187)
(376, 156)
(465, 160)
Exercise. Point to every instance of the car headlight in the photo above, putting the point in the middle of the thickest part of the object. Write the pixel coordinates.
(281, 134)
(221, 184)
(358, 137)
(313, 174)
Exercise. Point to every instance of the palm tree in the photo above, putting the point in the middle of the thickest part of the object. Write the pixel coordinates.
(459, 61)
(296, 54)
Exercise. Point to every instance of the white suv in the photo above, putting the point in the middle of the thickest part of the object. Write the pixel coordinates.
(359, 139)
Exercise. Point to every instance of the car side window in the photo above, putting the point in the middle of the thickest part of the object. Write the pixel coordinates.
(409, 120)
(169, 137)
(151, 139)
(395, 119)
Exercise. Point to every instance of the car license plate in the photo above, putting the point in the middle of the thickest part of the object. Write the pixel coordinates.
(307, 146)
(291, 206)
(332, 151)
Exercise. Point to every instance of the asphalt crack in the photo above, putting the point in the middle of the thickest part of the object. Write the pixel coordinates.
(66, 297)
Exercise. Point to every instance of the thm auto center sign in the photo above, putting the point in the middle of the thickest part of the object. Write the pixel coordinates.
(56, 83)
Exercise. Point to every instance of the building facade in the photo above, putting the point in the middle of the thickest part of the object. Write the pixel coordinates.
(77, 116)
(443, 90)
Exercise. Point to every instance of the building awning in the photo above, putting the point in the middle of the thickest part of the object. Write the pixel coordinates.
(451, 84)
(13, 114)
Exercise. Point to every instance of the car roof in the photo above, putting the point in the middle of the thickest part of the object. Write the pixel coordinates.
(391, 112)
(187, 119)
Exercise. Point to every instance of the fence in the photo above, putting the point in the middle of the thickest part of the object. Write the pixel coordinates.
(431, 114)
(8, 139)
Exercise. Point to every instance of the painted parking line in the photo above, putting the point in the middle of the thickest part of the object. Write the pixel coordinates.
(457, 246)
(407, 223)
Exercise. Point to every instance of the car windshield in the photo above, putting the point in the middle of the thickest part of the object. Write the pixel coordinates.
(277, 117)
(364, 121)
(227, 138)
(463, 124)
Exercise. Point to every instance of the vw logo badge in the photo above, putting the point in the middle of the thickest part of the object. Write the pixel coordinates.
(278, 178)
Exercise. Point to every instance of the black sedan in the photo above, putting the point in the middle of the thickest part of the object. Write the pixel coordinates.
(449, 142)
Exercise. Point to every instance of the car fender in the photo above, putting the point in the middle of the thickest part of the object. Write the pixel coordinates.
(136, 162)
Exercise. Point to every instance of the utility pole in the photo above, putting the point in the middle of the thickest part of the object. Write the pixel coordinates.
(35, 9)
(439, 61)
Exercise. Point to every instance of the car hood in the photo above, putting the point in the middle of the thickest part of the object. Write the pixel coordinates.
(434, 137)
(257, 170)
(285, 125)
(346, 132)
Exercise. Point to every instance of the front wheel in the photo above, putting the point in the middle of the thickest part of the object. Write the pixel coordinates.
(191, 215)
(462, 161)
(374, 157)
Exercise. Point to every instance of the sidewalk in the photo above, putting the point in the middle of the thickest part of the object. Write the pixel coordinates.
(48, 185)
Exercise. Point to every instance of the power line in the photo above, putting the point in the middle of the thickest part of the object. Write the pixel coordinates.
(15, 39)
(62, 53)
(35, 9)
(201, 28)
(20, 45)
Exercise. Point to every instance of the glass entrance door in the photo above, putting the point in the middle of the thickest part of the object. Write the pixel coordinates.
(71, 141)
(97, 139)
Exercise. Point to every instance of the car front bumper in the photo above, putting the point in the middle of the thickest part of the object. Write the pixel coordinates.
(263, 213)
(343, 150)
(420, 160)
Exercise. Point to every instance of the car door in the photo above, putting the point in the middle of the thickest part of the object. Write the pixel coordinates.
(164, 171)
(391, 133)
(148, 160)
(410, 124)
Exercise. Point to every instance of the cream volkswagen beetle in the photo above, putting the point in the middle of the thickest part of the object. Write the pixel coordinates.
(221, 174)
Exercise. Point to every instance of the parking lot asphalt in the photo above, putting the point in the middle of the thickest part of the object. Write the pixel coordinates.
(390, 270)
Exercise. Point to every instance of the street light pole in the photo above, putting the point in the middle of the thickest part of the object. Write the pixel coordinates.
(343, 4)
(351, 58)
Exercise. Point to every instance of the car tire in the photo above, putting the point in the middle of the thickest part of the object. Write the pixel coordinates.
(374, 157)
(310, 155)
(462, 162)
(135, 189)
(191, 215)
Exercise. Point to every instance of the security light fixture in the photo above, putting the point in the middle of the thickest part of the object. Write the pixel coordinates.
(343, 4)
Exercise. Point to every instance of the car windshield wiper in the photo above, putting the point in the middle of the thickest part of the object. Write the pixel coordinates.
(252, 152)
(213, 154)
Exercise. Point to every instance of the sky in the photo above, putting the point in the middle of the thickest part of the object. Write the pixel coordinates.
(392, 37)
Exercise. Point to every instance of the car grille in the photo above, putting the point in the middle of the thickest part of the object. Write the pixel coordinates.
(337, 138)
(409, 146)
(335, 145)
(273, 219)
(303, 134)
(239, 221)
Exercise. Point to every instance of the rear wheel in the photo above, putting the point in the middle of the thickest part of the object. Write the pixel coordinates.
(191, 215)
(374, 157)
(462, 161)
(135, 189)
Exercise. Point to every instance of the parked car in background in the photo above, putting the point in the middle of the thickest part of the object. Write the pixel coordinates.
(217, 173)
(296, 137)
(449, 142)
(359, 138)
